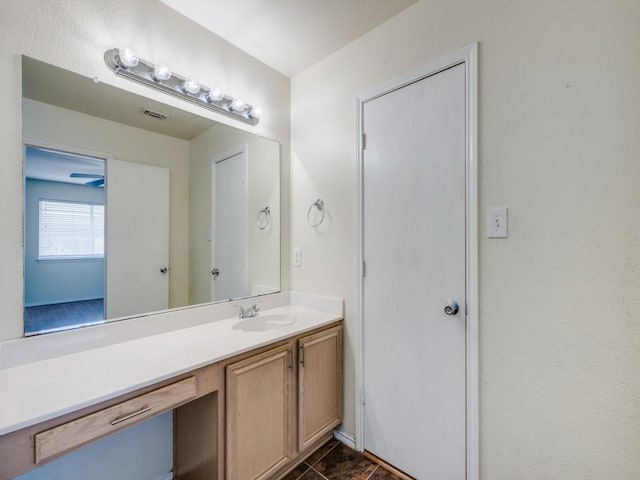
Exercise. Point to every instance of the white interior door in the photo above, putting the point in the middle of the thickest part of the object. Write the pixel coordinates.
(229, 228)
(137, 238)
(414, 249)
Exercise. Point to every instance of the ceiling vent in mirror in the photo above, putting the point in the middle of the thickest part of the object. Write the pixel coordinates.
(125, 63)
(152, 114)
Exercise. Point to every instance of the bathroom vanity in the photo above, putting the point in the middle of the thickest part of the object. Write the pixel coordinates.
(251, 398)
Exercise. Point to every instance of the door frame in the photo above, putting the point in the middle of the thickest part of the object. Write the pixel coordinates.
(468, 56)
(217, 159)
(82, 151)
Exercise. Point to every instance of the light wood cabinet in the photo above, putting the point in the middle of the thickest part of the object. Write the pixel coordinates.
(260, 397)
(319, 385)
(281, 404)
(275, 406)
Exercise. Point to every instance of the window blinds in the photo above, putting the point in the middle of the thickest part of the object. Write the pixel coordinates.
(70, 230)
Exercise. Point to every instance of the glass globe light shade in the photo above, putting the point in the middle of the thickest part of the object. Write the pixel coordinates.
(191, 86)
(161, 72)
(237, 105)
(127, 57)
(215, 95)
(255, 112)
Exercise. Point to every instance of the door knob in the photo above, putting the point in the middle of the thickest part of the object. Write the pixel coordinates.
(215, 272)
(451, 307)
(164, 269)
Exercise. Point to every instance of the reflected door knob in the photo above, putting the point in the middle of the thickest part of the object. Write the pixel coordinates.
(215, 272)
(451, 307)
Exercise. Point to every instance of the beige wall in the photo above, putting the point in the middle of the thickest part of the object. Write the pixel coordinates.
(263, 247)
(559, 115)
(69, 129)
(74, 34)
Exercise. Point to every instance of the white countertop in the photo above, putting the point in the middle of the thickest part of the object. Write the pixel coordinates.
(36, 391)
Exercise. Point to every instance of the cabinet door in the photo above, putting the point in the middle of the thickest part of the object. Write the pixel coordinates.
(260, 404)
(319, 385)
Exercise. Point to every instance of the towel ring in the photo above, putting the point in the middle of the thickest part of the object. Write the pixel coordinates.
(319, 204)
(263, 218)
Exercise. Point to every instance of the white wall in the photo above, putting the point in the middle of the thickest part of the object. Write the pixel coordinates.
(559, 303)
(74, 34)
(61, 280)
(263, 247)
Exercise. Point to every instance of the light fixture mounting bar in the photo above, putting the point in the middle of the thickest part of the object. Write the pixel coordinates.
(142, 72)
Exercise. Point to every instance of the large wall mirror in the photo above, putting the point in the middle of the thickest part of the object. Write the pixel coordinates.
(133, 206)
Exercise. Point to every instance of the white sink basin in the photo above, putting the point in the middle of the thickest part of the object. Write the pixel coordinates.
(262, 323)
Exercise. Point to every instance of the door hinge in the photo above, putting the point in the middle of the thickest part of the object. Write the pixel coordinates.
(364, 141)
(362, 395)
(364, 268)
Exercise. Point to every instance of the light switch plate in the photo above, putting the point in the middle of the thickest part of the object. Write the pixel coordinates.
(497, 222)
(297, 257)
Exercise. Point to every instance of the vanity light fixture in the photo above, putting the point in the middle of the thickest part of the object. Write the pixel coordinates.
(125, 63)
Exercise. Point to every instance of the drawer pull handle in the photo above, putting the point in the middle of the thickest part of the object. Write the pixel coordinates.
(118, 420)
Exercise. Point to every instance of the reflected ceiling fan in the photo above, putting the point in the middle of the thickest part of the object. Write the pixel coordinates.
(98, 182)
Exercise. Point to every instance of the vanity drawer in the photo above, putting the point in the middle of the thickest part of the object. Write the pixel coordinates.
(83, 430)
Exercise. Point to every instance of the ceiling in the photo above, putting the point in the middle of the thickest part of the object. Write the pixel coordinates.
(53, 166)
(289, 35)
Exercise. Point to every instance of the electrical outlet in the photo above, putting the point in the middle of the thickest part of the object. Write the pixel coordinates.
(297, 257)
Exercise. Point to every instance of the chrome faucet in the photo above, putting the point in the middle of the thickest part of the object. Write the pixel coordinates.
(251, 311)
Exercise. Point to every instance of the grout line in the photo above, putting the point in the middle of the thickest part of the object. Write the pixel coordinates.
(310, 466)
(305, 471)
(321, 475)
(374, 471)
(327, 453)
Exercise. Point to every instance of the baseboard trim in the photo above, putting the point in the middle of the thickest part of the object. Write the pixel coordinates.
(344, 438)
(387, 466)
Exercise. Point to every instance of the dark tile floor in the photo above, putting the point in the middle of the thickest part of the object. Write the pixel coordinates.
(334, 461)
